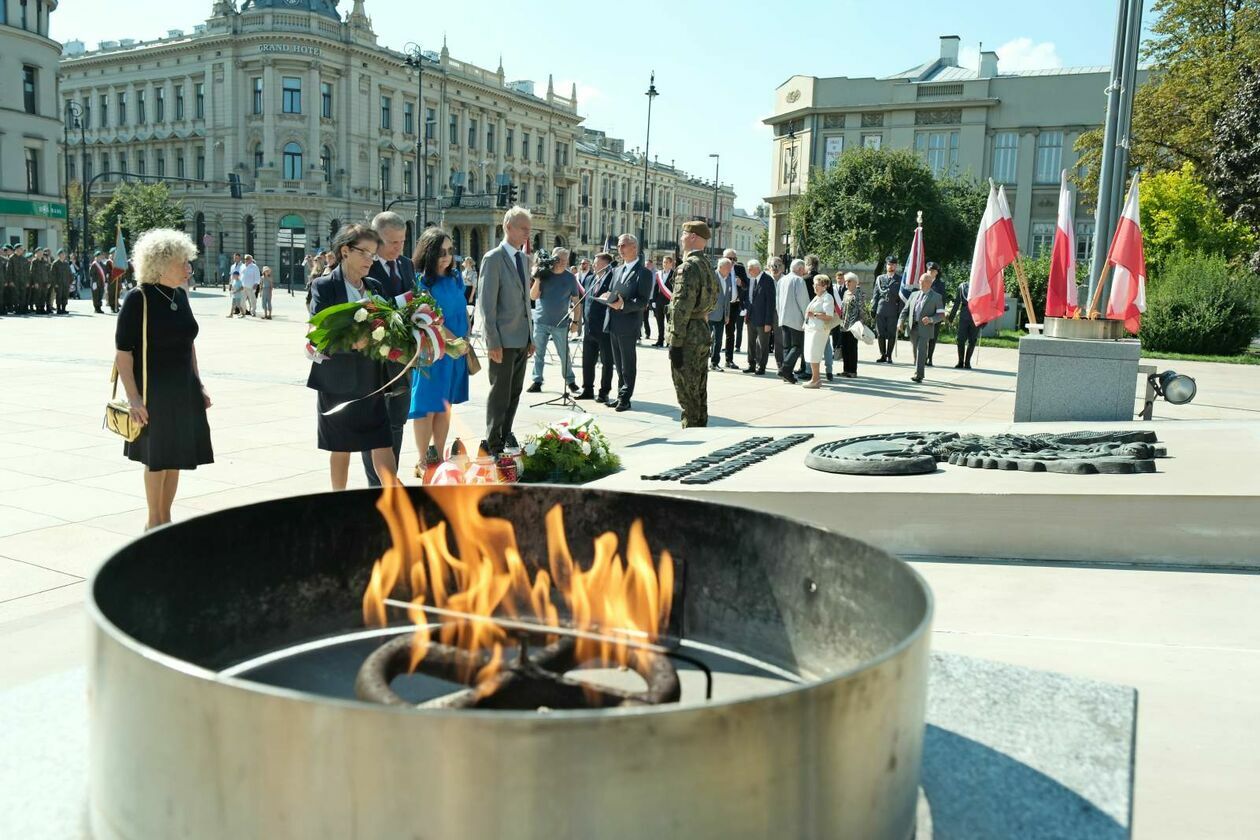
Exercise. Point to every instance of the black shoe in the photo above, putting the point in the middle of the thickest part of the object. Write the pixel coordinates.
(967, 366)
(960, 365)
(717, 368)
(732, 366)
(574, 389)
(535, 388)
(585, 395)
(659, 344)
(624, 405)
(916, 379)
(612, 402)
(787, 377)
(602, 399)
(750, 370)
(831, 377)
(509, 442)
(760, 372)
(929, 363)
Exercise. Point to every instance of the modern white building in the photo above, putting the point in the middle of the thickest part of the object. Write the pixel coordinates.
(32, 207)
(1017, 127)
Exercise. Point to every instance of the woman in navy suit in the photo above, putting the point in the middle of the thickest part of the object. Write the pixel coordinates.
(364, 425)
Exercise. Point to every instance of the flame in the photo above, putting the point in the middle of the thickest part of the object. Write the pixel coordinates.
(621, 600)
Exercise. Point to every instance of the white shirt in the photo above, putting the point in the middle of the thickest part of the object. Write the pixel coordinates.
(250, 275)
(238, 267)
(823, 304)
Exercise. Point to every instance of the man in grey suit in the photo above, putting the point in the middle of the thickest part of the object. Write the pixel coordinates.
(503, 312)
(792, 303)
(627, 297)
(923, 312)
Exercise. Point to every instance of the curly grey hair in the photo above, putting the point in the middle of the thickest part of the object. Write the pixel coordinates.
(156, 249)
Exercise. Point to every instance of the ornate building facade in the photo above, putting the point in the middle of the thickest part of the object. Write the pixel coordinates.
(322, 125)
(32, 208)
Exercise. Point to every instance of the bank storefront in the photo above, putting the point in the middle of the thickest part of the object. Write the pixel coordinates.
(35, 223)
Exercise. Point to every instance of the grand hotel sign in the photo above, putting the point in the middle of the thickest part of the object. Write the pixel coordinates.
(296, 49)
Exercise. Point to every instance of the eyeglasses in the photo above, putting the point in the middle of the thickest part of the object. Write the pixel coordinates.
(364, 251)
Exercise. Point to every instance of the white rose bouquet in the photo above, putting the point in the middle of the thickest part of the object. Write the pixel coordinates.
(569, 451)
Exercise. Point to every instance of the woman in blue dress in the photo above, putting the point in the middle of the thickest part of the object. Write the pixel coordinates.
(445, 383)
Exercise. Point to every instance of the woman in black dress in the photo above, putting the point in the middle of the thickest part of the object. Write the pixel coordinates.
(362, 426)
(176, 435)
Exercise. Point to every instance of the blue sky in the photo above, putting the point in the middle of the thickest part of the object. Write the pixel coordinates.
(717, 63)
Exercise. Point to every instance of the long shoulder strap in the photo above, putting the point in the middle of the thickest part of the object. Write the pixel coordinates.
(144, 349)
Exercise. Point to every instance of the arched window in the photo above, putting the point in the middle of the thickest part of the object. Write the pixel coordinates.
(325, 163)
(292, 162)
(258, 158)
(457, 238)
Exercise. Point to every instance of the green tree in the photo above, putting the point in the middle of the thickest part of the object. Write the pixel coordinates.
(1201, 303)
(1195, 51)
(139, 207)
(761, 246)
(865, 207)
(1235, 171)
(1179, 213)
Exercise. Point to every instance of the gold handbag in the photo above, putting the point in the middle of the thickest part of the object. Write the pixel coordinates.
(118, 412)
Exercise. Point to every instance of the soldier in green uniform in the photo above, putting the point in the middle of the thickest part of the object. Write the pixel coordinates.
(38, 284)
(19, 275)
(688, 335)
(8, 297)
(63, 278)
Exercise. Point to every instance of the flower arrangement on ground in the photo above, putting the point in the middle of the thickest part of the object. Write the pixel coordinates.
(409, 327)
(569, 451)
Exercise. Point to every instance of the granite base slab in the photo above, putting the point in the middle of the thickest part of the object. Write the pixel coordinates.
(1010, 752)
(1063, 379)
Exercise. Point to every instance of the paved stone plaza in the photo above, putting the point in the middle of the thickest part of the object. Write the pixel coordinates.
(1188, 640)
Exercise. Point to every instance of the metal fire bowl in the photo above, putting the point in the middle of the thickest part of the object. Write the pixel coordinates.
(1102, 329)
(179, 750)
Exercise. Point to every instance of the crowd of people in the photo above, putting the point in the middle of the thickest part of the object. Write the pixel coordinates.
(36, 283)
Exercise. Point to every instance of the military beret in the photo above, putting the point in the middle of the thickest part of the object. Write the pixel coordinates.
(6, 247)
(97, 253)
(60, 251)
(892, 258)
(699, 228)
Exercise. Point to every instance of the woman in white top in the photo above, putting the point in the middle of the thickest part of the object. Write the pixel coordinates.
(820, 317)
(470, 278)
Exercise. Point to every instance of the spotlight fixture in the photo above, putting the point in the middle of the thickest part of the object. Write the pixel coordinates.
(1175, 388)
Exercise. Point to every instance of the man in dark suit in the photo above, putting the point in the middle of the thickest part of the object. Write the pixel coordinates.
(965, 326)
(662, 288)
(503, 312)
(739, 305)
(627, 297)
(596, 343)
(760, 317)
(393, 271)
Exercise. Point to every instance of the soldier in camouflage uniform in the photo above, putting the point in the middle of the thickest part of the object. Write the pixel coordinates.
(63, 279)
(7, 296)
(695, 295)
(19, 275)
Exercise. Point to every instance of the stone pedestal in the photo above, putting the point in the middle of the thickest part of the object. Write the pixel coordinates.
(1066, 379)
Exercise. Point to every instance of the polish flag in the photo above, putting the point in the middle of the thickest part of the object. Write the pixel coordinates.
(1128, 278)
(995, 249)
(914, 265)
(120, 257)
(1061, 294)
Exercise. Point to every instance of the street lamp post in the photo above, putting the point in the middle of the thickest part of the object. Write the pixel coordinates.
(717, 223)
(415, 58)
(787, 237)
(75, 112)
(647, 144)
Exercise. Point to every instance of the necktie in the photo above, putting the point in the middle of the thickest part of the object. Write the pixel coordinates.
(520, 271)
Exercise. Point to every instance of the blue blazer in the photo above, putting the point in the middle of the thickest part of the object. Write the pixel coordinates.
(633, 286)
(349, 373)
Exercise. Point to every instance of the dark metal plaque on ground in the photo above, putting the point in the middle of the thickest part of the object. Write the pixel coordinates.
(915, 453)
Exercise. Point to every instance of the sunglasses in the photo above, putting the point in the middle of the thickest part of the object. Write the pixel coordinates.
(448, 252)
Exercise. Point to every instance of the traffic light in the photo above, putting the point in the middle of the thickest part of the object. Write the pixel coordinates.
(502, 199)
(234, 185)
(511, 195)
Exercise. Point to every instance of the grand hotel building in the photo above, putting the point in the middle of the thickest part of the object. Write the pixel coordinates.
(323, 125)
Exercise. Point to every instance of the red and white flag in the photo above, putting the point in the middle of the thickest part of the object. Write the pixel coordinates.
(1128, 278)
(995, 249)
(1061, 294)
(914, 265)
(660, 284)
(120, 256)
